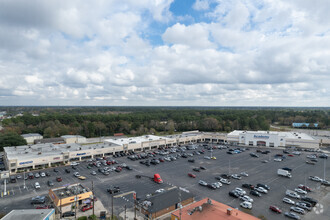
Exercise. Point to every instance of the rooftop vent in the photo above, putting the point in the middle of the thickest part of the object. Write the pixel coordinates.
(229, 211)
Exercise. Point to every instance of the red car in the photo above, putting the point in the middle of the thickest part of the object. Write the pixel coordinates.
(59, 179)
(275, 209)
(86, 207)
(192, 175)
(306, 188)
(43, 207)
(290, 155)
(109, 162)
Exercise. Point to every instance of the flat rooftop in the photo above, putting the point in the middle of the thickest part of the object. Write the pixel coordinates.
(31, 214)
(49, 149)
(134, 140)
(288, 135)
(70, 190)
(31, 135)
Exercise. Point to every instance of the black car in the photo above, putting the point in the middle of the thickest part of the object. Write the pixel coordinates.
(211, 186)
(113, 189)
(286, 152)
(324, 156)
(312, 201)
(68, 214)
(254, 155)
(191, 160)
(55, 170)
(74, 167)
(226, 176)
(248, 186)
(202, 168)
(128, 168)
(263, 186)
(230, 152)
(47, 174)
(67, 171)
(233, 194)
(50, 183)
(255, 193)
(314, 160)
(196, 169)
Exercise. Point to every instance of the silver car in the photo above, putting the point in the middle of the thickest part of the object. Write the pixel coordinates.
(297, 209)
(288, 201)
(225, 181)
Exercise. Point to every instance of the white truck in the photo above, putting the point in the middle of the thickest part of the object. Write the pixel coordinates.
(285, 173)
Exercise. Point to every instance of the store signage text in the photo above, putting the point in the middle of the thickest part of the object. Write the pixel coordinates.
(261, 136)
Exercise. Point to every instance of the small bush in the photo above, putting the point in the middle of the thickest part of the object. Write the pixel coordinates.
(82, 218)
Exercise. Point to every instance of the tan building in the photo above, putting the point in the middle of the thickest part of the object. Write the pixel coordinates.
(70, 139)
(64, 198)
(31, 137)
(210, 210)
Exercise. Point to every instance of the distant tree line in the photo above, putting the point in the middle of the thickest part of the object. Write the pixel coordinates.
(104, 121)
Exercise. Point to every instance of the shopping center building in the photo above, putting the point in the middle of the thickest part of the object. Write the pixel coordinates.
(272, 139)
(45, 155)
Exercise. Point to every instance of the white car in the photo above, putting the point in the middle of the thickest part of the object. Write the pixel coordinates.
(288, 201)
(76, 174)
(244, 174)
(203, 183)
(37, 185)
(303, 206)
(278, 159)
(311, 156)
(297, 209)
(265, 161)
(300, 191)
(315, 178)
(293, 195)
(225, 181)
(246, 198)
(261, 189)
(206, 157)
(246, 205)
(43, 174)
(236, 176)
(296, 153)
(218, 184)
(240, 191)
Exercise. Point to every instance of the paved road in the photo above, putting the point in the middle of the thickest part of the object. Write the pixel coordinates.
(175, 173)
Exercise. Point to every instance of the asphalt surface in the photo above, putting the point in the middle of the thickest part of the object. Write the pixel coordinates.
(175, 174)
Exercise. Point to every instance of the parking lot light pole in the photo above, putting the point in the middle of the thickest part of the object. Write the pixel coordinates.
(4, 189)
(93, 196)
(24, 180)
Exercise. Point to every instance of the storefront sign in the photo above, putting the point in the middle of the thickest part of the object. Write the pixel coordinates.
(80, 154)
(26, 162)
(56, 158)
(261, 136)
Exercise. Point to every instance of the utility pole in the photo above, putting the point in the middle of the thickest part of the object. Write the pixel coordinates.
(93, 195)
(125, 212)
(4, 189)
(75, 206)
(111, 207)
(60, 205)
(24, 180)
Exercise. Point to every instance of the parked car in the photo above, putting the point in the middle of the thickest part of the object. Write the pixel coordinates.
(236, 176)
(263, 186)
(59, 179)
(288, 201)
(244, 174)
(68, 214)
(202, 183)
(224, 181)
(86, 207)
(248, 186)
(67, 171)
(37, 185)
(297, 209)
(246, 198)
(234, 194)
(246, 205)
(261, 189)
(55, 170)
(196, 169)
(300, 191)
(255, 193)
(292, 215)
(93, 173)
(50, 183)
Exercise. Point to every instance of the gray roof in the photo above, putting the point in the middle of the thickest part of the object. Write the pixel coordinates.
(31, 214)
(49, 140)
(31, 135)
(166, 199)
(72, 136)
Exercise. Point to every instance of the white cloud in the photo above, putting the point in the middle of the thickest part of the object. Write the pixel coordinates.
(241, 52)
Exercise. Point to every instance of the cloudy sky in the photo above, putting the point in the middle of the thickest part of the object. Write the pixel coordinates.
(165, 52)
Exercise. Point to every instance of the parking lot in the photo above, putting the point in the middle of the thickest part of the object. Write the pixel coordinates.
(175, 173)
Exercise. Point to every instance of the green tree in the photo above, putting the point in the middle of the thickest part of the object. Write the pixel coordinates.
(8, 139)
